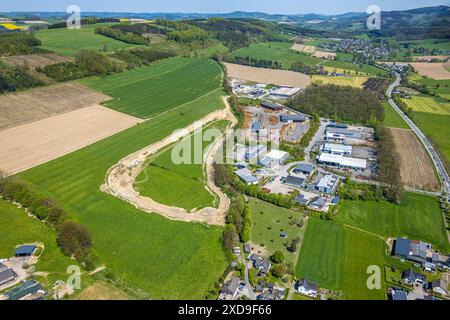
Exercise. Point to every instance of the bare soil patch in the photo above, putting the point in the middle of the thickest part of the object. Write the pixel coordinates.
(268, 76)
(37, 104)
(416, 167)
(429, 58)
(436, 71)
(32, 144)
(324, 54)
(35, 60)
(303, 48)
(102, 291)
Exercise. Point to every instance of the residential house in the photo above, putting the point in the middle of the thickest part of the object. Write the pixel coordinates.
(440, 287)
(412, 250)
(230, 289)
(260, 264)
(411, 277)
(307, 288)
(300, 199)
(318, 204)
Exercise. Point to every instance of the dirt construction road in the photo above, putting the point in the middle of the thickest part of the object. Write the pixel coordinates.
(120, 178)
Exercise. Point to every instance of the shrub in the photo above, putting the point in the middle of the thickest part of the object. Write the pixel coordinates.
(74, 239)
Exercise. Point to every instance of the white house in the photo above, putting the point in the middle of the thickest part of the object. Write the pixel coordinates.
(307, 288)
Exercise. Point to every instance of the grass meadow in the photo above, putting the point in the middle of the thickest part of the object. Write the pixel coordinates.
(160, 87)
(276, 51)
(68, 42)
(392, 119)
(351, 81)
(167, 259)
(173, 184)
(365, 68)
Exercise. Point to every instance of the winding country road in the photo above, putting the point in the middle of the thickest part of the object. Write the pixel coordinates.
(439, 164)
(121, 177)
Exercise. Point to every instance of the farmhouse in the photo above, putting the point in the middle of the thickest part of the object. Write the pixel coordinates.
(304, 168)
(412, 250)
(6, 275)
(246, 176)
(272, 105)
(295, 182)
(307, 288)
(25, 251)
(328, 184)
(342, 162)
(338, 149)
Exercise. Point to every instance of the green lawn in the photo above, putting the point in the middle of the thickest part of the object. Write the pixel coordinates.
(418, 217)
(160, 87)
(68, 42)
(337, 257)
(167, 259)
(269, 221)
(211, 50)
(174, 184)
(365, 68)
(439, 87)
(17, 228)
(276, 51)
(392, 119)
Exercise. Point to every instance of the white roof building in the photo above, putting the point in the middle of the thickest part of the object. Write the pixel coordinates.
(341, 161)
(284, 92)
(277, 155)
(339, 149)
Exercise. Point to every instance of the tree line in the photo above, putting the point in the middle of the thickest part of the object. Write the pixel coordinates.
(17, 78)
(127, 37)
(346, 104)
(18, 43)
(253, 62)
(73, 238)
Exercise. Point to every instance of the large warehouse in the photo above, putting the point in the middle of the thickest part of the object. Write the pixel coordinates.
(342, 162)
(339, 149)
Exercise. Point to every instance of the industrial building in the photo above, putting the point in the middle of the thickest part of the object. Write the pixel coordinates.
(274, 158)
(328, 184)
(255, 151)
(342, 162)
(283, 92)
(6, 275)
(272, 105)
(350, 134)
(297, 118)
(246, 176)
(304, 168)
(295, 182)
(335, 137)
(339, 149)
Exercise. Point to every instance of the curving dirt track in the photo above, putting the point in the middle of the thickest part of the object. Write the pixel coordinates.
(120, 178)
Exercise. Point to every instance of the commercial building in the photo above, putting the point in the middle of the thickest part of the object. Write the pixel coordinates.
(297, 118)
(255, 151)
(295, 182)
(304, 168)
(6, 275)
(335, 137)
(246, 176)
(350, 134)
(339, 149)
(342, 162)
(274, 158)
(328, 184)
(272, 105)
(283, 92)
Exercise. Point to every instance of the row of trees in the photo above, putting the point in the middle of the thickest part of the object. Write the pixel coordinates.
(73, 238)
(340, 103)
(127, 37)
(253, 62)
(389, 165)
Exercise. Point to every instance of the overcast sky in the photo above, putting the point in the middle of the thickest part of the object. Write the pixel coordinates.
(217, 6)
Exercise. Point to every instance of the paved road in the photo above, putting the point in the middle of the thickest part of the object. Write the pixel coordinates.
(443, 175)
(247, 281)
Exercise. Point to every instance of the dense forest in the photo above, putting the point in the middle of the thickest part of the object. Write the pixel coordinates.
(13, 79)
(340, 103)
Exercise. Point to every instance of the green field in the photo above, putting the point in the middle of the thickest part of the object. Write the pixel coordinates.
(418, 217)
(268, 221)
(160, 87)
(367, 69)
(172, 184)
(439, 87)
(428, 104)
(337, 257)
(211, 50)
(392, 119)
(276, 51)
(167, 259)
(17, 228)
(68, 42)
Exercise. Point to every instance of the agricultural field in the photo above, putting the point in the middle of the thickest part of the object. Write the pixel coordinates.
(101, 290)
(428, 104)
(34, 61)
(366, 69)
(68, 42)
(32, 144)
(269, 221)
(417, 217)
(167, 259)
(41, 103)
(352, 81)
(17, 228)
(417, 170)
(172, 184)
(324, 54)
(211, 50)
(438, 87)
(158, 88)
(276, 51)
(268, 76)
(392, 119)
(435, 71)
